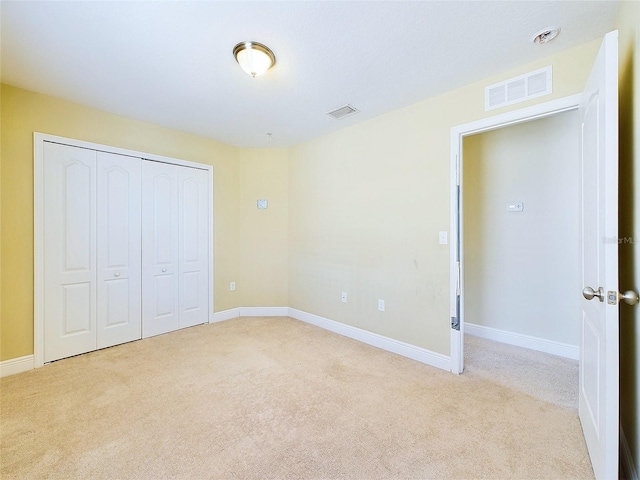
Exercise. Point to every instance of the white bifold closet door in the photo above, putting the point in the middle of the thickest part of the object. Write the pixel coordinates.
(175, 219)
(118, 243)
(91, 250)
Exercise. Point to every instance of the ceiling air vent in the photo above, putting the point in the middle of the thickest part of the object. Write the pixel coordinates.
(342, 112)
(518, 89)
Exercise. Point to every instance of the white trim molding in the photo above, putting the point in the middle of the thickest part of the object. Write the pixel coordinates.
(628, 468)
(404, 349)
(250, 312)
(456, 186)
(264, 311)
(16, 365)
(225, 315)
(526, 341)
(418, 354)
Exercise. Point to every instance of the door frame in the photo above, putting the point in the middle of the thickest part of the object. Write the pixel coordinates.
(456, 249)
(39, 140)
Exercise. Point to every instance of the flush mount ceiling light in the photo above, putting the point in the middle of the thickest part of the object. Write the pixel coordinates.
(254, 58)
(545, 35)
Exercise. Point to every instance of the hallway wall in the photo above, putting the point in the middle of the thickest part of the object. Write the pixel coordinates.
(522, 269)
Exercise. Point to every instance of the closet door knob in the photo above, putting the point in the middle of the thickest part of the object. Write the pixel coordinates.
(589, 293)
(164, 270)
(117, 274)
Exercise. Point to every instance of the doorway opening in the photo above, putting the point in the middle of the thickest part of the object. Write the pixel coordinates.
(466, 142)
(520, 231)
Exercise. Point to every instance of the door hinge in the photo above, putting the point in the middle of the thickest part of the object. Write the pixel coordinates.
(458, 170)
(458, 278)
(455, 323)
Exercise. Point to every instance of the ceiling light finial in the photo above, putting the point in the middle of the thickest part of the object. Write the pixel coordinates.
(254, 58)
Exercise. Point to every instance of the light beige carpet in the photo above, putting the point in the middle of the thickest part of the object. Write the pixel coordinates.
(547, 377)
(275, 398)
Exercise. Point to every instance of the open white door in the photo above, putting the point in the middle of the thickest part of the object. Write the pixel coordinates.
(599, 345)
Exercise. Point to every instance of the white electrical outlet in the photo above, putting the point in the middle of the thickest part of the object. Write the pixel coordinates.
(443, 238)
(381, 305)
(344, 297)
(232, 286)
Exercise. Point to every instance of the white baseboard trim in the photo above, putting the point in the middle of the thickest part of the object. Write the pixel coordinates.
(385, 343)
(525, 341)
(16, 365)
(225, 315)
(626, 459)
(264, 311)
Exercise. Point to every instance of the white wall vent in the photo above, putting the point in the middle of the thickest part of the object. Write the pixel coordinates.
(518, 89)
(343, 111)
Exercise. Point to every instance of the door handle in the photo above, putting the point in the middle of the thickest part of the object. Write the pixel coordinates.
(629, 297)
(589, 293)
(117, 274)
(164, 270)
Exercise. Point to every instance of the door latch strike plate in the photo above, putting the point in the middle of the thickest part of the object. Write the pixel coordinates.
(455, 323)
(612, 297)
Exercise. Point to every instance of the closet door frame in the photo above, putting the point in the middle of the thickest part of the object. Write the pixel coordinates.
(39, 140)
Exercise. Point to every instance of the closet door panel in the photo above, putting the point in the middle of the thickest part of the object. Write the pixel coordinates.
(194, 249)
(119, 249)
(69, 251)
(160, 241)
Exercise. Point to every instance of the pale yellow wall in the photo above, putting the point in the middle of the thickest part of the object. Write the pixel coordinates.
(512, 260)
(25, 112)
(0, 224)
(361, 208)
(262, 279)
(366, 204)
(629, 43)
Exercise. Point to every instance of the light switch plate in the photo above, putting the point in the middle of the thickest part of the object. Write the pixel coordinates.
(262, 204)
(443, 238)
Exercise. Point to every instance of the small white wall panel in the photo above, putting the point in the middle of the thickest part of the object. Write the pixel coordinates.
(69, 251)
(119, 243)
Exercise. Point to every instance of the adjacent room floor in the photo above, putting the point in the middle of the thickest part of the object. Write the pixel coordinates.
(547, 377)
(277, 398)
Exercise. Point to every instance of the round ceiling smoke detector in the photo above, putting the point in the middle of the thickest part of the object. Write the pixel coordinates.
(545, 35)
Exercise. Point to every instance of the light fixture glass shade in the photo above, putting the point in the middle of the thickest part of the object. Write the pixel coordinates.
(254, 58)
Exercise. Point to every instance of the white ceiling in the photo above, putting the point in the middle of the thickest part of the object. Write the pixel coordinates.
(170, 63)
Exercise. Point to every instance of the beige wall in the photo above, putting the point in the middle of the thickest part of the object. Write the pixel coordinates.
(262, 279)
(629, 42)
(361, 208)
(1, 336)
(25, 112)
(517, 266)
(366, 205)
